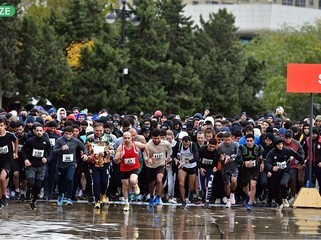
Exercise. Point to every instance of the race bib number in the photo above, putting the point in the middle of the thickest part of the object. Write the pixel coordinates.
(52, 141)
(99, 149)
(20, 147)
(281, 165)
(207, 161)
(4, 149)
(67, 157)
(185, 159)
(129, 161)
(158, 156)
(253, 163)
(38, 153)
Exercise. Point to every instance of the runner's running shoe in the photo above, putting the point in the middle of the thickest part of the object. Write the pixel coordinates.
(69, 202)
(60, 200)
(126, 207)
(151, 202)
(159, 201)
(97, 205)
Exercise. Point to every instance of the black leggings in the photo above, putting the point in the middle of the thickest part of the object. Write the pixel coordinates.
(279, 181)
(35, 186)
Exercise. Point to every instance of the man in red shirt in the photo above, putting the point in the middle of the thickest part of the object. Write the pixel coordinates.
(127, 155)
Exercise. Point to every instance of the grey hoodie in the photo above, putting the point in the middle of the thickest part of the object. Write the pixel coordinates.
(68, 157)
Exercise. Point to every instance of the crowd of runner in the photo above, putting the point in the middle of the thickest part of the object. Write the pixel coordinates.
(67, 155)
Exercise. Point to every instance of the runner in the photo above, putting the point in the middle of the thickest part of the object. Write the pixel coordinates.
(8, 152)
(66, 148)
(250, 155)
(98, 146)
(230, 171)
(209, 157)
(36, 153)
(186, 157)
(278, 162)
(159, 155)
(127, 154)
(18, 166)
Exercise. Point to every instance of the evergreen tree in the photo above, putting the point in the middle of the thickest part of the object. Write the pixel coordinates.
(29, 69)
(80, 20)
(42, 68)
(161, 74)
(148, 48)
(251, 85)
(97, 86)
(220, 62)
(182, 84)
(9, 41)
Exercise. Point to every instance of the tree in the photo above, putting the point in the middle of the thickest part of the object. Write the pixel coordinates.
(159, 77)
(181, 83)
(220, 63)
(8, 54)
(42, 68)
(96, 85)
(250, 87)
(275, 50)
(80, 20)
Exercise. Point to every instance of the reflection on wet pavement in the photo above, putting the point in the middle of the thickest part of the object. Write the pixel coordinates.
(17, 221)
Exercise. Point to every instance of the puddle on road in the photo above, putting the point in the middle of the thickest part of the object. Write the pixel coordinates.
(81, 221)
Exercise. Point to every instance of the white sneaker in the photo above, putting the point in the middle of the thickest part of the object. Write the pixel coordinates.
(42, 193)
(285, 203)
(12, 194)
(126, 207)
(80, 193)
(232, 198)
(147, 197)
(224, 199)
(136, 189)
(217, 201)
(291, 201)
(279, 207)
(121, 199)
(140, 197)
(172, 200)
(228, 204)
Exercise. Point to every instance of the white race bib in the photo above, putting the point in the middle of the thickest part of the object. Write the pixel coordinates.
(4, 149)
(129, 161)
(99, 149)
(38, 153)
(20, 147)
(253, 163)
(185, 159)
(52, 141)
(67, 157)
(158, 156)
(207, 161)
(281, 165)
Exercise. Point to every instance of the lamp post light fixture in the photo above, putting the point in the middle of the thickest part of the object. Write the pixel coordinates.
(123, 14)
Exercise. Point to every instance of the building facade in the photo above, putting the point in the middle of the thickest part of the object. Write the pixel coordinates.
(295, 3)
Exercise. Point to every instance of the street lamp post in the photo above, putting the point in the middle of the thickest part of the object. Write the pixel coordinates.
(124, 14)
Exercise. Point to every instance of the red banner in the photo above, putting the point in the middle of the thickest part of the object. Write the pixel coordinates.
(303, 78)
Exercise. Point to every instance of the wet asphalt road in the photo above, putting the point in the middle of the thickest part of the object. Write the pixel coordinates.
(81, 221)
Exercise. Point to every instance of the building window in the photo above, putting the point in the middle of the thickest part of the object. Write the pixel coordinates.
(287, 2)
(211, 2)
(319, 4)
(195, 2)
(300, 3)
